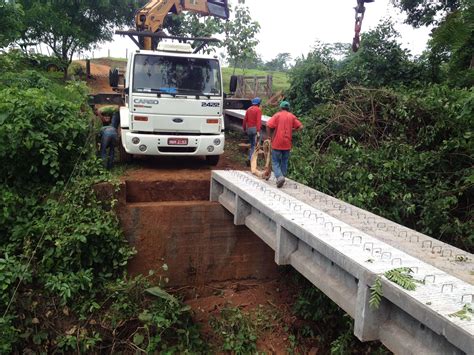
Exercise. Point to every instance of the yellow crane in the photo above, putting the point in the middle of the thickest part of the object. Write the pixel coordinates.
(151, 16)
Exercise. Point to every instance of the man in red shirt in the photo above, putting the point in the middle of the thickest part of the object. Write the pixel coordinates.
(252, 124)
(282, 124)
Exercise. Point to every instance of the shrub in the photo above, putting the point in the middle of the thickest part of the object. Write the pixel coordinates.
(405, 155)
(42, 136)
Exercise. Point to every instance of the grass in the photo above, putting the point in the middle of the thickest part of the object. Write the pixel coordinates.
(280, 79)
(112, 62)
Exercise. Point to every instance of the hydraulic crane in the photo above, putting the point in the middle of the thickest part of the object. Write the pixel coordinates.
(151, 16)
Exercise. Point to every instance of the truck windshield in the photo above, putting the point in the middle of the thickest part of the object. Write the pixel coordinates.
(176, 75)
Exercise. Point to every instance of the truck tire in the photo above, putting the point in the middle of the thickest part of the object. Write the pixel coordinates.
(212, 159)
(233, 83)
(124, 157)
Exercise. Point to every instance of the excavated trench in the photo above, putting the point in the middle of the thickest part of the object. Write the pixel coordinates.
(166, 215)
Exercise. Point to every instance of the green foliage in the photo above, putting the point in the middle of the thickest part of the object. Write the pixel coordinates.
(165, 324)
(313, 305)
(423, 13)
(309, 76)
(42, 135)
(237, 331)
(11, 22)
(402, 277)
(344, 344)
(376, 293)
(10, 335)
(240, 41)
(194, 25)
(381, 61)
(333, 328)
(465, 313)
(63, 255)
(453, 43)
(403, 155)
(67, 27)
(108, 110)
(280, 63)
(325, 71)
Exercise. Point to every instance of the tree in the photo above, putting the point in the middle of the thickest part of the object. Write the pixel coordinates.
(453, 41)
(193, 25)
(11, 22)
(426, 12)
(381, 61)
(254, 61)
(280, 63)
(240, 41)
(70, 26)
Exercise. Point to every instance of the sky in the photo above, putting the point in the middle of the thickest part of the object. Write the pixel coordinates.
(294, 26)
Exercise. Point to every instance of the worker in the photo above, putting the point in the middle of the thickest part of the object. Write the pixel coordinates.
(252, 125)
(108, 140)
(280, 130)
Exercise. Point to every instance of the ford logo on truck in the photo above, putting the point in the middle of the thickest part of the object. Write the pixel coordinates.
(146, 101)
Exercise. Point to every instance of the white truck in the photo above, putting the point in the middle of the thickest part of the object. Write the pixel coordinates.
(173, 103)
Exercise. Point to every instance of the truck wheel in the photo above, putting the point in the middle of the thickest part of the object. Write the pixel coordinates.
(212, 159)
(124, 157)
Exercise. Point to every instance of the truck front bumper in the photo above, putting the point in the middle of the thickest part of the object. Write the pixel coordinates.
(156, 144)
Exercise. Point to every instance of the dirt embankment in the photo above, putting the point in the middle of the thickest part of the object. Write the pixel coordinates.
(99, 80)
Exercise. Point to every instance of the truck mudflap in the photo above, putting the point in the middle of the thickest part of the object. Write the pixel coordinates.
(184, 145)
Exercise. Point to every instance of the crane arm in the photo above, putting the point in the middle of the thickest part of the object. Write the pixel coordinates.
(151, 16)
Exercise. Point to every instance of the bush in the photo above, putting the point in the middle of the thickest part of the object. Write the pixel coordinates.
(64, 245)
(403, 155)
(42, 136)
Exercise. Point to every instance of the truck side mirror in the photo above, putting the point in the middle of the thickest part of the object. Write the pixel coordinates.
(233, 83)
(114, 78)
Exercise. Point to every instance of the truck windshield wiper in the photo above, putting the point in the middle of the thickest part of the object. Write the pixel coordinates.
(189, 92)
(197, 93)
(169, 91)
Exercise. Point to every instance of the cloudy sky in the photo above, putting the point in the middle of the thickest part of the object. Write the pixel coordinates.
(294, 25)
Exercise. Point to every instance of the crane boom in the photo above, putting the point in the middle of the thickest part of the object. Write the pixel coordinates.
(151, 16)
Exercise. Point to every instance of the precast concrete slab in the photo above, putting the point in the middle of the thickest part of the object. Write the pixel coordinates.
(343, 260)
(452, 260)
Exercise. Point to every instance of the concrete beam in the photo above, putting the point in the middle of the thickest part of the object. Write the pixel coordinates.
(343, 262)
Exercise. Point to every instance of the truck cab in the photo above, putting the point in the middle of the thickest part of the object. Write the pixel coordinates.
(173, 103)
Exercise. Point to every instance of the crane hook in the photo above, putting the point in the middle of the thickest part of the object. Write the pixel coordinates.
(359, 17)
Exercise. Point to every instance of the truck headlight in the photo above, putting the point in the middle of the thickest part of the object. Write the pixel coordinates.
(142, 148)
(210, 149)
(217, 141)
(135, 140)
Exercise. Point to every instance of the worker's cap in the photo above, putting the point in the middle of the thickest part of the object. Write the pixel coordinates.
(284, 104)
(256, 101)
